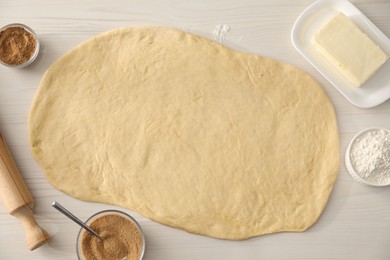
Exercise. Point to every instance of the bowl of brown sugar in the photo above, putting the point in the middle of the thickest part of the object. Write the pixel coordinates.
(122, 236)
(19, 45)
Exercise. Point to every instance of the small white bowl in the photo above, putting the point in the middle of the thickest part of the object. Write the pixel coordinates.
(37, 46)
(348, 162)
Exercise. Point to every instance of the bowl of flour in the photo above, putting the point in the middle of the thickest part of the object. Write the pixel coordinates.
(368, 157)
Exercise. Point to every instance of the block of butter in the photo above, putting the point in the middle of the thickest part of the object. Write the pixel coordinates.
(347, 48)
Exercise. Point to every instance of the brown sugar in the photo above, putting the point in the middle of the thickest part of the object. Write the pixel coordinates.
(122, 239)
(16, 45)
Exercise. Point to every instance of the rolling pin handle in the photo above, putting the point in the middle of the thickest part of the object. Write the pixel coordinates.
(35, 235)
(17, 198)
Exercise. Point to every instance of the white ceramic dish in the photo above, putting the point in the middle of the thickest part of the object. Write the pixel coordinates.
(348, 162)
(377, 89)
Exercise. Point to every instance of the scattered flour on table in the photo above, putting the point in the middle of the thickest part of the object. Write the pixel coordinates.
(220, 31)
(370, 156)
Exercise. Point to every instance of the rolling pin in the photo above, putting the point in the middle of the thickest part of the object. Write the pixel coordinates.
(17, 198)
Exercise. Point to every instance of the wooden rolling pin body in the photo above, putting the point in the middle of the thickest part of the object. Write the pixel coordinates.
(17, 198)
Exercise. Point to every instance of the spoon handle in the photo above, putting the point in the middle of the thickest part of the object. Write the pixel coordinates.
(66, 212)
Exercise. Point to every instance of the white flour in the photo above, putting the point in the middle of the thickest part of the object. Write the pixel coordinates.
(370, 156)
(220, 31)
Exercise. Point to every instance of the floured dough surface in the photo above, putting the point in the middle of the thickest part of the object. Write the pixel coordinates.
(187, 132)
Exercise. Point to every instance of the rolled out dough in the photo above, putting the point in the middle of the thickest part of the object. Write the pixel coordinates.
(187, 132)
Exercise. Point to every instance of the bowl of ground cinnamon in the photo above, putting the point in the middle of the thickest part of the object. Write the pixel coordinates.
(19, 45)
(122, 236)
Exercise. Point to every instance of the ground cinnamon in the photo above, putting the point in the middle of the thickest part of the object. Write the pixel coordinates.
(122, 239)
(16, 45)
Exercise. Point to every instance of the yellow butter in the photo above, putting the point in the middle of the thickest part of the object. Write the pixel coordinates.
(351, 51)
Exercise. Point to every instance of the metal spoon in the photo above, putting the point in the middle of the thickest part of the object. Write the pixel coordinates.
(66, 212)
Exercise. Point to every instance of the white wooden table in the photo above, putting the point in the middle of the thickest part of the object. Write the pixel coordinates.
(356, 222)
